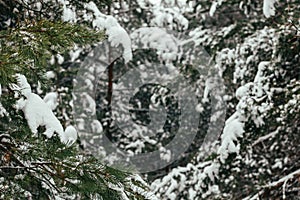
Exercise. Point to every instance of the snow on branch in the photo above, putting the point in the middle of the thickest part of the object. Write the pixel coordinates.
(51, 100)
(281, 182)
(69, 12)
(214, 6)
(251, 104)
(157, 38)
(250, 107)
(190, 176)
(116, 34)
(170, 14)
(233, 129)
(269, 8)
(38, 113)
(3, 112)
(2, 109)
(284, 179)
(266, 137)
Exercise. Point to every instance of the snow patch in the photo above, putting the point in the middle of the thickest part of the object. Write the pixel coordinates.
(51, 100)
(156, 38)
(269, 8)
(70, 136)
(214, 6)
(38, 113)
(116, 34)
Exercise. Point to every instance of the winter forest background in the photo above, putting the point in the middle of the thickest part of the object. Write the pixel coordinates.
(66, 66)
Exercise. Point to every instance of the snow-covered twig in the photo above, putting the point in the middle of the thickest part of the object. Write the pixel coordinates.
(281, 182)
(265, 137)
(283, 179)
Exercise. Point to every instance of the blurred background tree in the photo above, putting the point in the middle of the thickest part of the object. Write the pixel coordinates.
(33, 42)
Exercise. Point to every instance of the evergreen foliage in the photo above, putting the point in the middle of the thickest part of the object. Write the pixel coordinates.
(40, 167)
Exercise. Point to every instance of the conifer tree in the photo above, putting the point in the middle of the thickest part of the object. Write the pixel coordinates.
(255, 45)
(39, 155)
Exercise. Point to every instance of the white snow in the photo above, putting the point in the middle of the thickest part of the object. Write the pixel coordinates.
(116, 34)
(60, 59)
(70, 136)
(278, 164)
(69, 15)
(52, 60)
(251, 97)
(269, 8)
(74, 54)
(80, 123)
(51, 100)
(244, 90)
(212, 171)
(284, 179)
(213, 8)
(210, 84)
(50, 74)
(157, 38)
(89, 103)
(281, 182)
(170, 16)
(199, 108)
(165, 154)
(2, 111)
(23, 86)
(232, 130)
(214, 5)
(38, 113)
(141, 190)
(96, 126)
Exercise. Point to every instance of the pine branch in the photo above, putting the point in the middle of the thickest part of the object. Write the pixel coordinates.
(30, 46)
